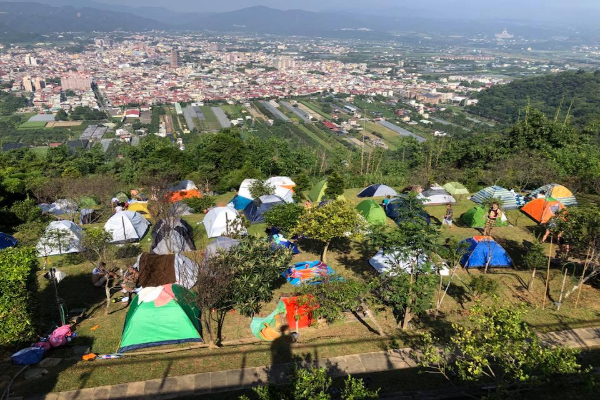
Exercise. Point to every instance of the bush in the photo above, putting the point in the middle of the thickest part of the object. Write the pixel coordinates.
(128, 251)
(482, 285)
(17, 281)
(284, 216)
(199, 204)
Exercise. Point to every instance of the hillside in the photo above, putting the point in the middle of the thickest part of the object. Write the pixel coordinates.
(503, 103)
(40, 18)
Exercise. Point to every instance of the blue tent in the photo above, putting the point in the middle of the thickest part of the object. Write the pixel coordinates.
(509, 199)
(377, 191)
(240, 202)
(278, 241)
(7, 241)
(482, 251)
(256, 209)
(394, 210)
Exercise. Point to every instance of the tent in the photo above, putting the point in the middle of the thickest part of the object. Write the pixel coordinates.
(286, 195)
(508, 198)
(140, 207)
(372, 212)
(60, 237)
(172, 235)
(557, 192)
(222, 243)
(255, 210)
(126, 226)
(244, 189)
(541, 210)
(482, 251)
(183, 194)
(281, 181)
(239, 202)
(59, 207)
(7, 241)
(160, 316)
(88, 202)
(278, 241)
(436, 195)
(456, 189)
(318, 191)
(383, 262)
(87, 216)
(122, 197)
(185, 184)
(180, 208)
(219, 219)
(311, 272)
(394, 210)
(475, 218)
(162, 269)
(377, 191)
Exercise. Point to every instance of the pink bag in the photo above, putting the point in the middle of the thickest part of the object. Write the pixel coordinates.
(59, 336)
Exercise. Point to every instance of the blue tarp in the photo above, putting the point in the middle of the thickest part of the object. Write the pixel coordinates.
(7, 241)
(483, 250)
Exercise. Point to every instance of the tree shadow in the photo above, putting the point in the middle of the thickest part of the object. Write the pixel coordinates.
(515, 250)
(459, 294)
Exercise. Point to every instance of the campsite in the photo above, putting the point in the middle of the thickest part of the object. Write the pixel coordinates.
(120, 328)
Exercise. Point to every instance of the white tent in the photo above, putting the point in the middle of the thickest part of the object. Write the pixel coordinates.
(60, 206)
(281, 181)
(217, 219)
(244, 190)
(185, 184)
(60, 237)
(388, 262)
(286, 194)
(126, 226)
(436, 195)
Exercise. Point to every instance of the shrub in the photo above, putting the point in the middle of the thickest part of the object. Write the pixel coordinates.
(199, 204)
(482, 285)
(17, 281)
(284, 216)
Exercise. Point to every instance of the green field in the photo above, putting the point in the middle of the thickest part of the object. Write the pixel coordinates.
(32, 125)
(211, 119)
(316, 109)
(315, 137)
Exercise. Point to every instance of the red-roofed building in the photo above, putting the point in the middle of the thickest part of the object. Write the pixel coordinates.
(132, 113)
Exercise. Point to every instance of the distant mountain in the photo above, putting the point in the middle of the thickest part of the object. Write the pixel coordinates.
(25, 17)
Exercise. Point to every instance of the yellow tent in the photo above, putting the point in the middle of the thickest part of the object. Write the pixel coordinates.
(140, 207)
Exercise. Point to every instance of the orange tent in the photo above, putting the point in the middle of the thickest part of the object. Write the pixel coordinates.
(183, 194)
(541, 210)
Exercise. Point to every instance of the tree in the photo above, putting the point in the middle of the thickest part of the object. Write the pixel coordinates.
(61, 115)
(95, 247)
(335, 186)
(260, 188)
(284, 216)
(496, 346)
(334, 220)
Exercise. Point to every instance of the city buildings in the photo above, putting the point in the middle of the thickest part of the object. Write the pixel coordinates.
(76, 81)
(174, 58)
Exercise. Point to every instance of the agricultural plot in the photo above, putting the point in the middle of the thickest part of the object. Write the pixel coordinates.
(221, 117)
(211, 119)
(33, 125)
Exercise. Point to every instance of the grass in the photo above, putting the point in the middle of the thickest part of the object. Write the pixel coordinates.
(349, 337)
(211, 119)
(316, 109)
(32, 125)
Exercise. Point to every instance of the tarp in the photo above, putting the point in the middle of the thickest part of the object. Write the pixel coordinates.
(126, 226)
(255, 211)
(318, 191)
(482, 251)
(508, 198)
(389, 262)
(172, 235)
(219, 219)
(557, 192)
(377, 190)
(60, 237)
(7, 241)
(311, 272)
(456, 189)
(160, 316)
(140, 207)
(436, 195)
(268, 328)
(183, 194)
(372, 212)
(475, 217)
(162, 269)
(541, 210)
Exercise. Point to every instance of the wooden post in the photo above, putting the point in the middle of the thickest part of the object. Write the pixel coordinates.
(562, 289)
(530, 286)
(439, 297)
(587, 262)
(547, 274)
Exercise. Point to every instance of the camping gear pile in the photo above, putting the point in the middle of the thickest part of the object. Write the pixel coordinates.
(290, 313)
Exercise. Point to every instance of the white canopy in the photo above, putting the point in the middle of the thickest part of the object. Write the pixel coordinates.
(126, 226)
(60, 237)
(217, 219)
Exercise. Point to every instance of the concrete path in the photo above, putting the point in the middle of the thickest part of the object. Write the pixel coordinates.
(221, 381)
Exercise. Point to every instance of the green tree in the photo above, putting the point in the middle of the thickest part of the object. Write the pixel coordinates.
(334, 220)
(61, 115)
(260, 188)
(284, 216)
(335, 186)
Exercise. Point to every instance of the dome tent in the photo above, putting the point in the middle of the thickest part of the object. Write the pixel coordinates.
(126, 226)
(281, 181)
(508, 198)
(372, 212)
(318, 191)
(475, 218)
(172, 235)
(7, 241)
(387, 262)
(483, 251)
(140, 207)
(88, 202)
(218, 220)
(222, 243)
(396, 208)
(159, 316)
(185, 184)
(436, 195)
(255, 211)
(59, 207)
(60, 237)
(377, 190)
(541, 210)
(557, 192)
(456, 189)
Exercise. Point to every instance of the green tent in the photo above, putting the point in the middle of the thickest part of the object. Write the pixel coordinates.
(372, 212)
(122, 197)
(455, 188)
(475, 218)
(159, 316)
(318, 191)
(88, 202)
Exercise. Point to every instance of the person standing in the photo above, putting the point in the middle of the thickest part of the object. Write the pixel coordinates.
(448, 216)
(493, 214)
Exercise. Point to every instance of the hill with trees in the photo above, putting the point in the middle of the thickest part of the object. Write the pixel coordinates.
(576, 93)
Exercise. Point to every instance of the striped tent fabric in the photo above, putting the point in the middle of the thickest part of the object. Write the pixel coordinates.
(558, 192)
(508, 198)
